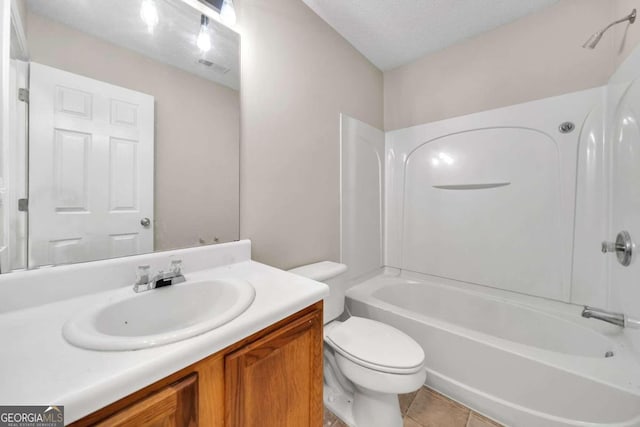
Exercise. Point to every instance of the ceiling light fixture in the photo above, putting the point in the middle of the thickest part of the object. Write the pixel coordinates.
(149, 14)
(204, 40)
(228, 13)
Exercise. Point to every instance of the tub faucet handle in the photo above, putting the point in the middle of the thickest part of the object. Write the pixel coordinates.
(608, 247)
(622, 247)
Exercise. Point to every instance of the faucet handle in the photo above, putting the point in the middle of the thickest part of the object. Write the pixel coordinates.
(622, 247)
(176, 266)
(142, 275)
(608, 247)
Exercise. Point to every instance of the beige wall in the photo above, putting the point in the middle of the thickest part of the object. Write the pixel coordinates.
(625, 37)
(197, 131)
(298, 75)
(535, 57)
(22, 10)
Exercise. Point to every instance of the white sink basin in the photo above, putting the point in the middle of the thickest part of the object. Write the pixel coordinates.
(159, 316)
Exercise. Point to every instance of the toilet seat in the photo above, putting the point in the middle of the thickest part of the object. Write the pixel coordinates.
(375, 345)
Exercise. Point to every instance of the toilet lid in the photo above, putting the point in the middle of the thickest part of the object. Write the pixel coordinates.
(376, 345)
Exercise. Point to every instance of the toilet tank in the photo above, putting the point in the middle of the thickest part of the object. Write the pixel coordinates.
(326, 272)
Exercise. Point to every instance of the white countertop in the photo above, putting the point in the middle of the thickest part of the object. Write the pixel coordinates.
(37, 365)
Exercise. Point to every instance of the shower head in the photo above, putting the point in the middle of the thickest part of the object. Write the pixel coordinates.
(593, 41)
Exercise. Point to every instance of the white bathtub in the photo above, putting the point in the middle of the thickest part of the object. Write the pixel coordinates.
(523, 361)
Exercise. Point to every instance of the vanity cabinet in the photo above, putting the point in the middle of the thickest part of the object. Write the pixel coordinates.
(175, 405)
(271, 378)
(276, 380)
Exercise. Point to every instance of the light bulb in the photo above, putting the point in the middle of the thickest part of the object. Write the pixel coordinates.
(149, 14)
(228, 13)
(203, 41)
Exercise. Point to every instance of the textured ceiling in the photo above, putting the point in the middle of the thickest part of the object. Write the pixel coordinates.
(391, 33)
(172, 41)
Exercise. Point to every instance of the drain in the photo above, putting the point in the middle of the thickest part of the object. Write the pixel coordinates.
(566, 127)
(608, 354)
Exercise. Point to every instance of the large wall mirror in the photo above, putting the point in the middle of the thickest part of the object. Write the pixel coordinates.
(124, 131)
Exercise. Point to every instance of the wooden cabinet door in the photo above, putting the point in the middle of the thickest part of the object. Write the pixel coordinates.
(176, 405)
(277, 380)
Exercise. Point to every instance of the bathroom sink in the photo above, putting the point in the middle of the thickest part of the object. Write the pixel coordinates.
(159, 316)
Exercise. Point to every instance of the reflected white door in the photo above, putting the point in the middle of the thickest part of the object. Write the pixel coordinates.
(91, 154)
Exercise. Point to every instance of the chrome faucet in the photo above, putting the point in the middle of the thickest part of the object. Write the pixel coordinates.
(145, 283)
(607, 316)
(604, 315)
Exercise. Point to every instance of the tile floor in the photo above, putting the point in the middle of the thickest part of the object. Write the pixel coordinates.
(427, 408)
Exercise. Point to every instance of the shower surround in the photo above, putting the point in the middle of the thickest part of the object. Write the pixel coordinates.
(491, 231)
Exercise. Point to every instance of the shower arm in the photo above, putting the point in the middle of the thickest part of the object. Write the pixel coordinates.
(630, 17)
(595, 37)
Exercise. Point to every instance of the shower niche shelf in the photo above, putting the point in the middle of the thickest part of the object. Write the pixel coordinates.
(483, 186)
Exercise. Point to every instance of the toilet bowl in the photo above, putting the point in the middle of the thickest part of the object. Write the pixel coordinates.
(367, 363)
(381, 362)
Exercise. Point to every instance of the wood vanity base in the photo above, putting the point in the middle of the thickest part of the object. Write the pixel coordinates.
(271, 379)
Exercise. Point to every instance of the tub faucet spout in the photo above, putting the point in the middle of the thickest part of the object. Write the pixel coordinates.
(604, 315)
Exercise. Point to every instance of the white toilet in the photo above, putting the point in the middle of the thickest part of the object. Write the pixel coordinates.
(366, 363)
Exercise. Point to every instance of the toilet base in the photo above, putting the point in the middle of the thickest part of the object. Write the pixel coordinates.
(365, 408)
(340, 403)
(375, 409)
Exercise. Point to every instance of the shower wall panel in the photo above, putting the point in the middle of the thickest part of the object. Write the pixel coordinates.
(361, 196)
(490, 198)
(624, 142)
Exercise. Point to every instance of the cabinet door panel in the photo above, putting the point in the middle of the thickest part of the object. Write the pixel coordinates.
(277, 380)
(174, 406)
